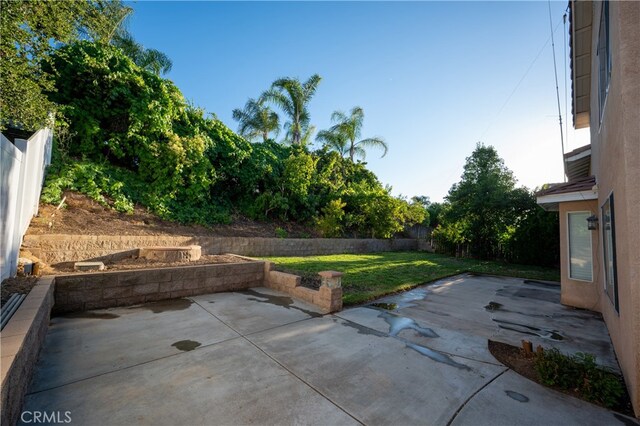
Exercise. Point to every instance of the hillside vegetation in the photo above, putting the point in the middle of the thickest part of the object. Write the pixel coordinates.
(130, 137)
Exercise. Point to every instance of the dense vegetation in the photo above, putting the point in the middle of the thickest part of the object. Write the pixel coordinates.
(31, 30)
(134, 139)
(369, 276)
(487, 217)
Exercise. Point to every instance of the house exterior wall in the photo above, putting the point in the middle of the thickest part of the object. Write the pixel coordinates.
(581, 294)
(615, 145)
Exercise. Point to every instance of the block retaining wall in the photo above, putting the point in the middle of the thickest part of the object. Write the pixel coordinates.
(327, 299)
(79, 292)
(70, 248)
(21, 341)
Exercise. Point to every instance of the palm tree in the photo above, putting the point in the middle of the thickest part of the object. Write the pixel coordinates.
(293, 97)
(106, 19)
(256, 119)
(155, 61)
(335, 141)
(343, 135)
(150, 59)
(305, 138)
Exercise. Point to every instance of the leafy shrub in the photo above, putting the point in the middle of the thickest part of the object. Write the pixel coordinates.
(91, 179)
(281, 233)
(580, 373)
(330, 223)
(121, 189)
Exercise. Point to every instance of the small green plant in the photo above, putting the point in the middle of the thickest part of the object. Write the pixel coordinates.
(281, 233)
(330, 223)
(580, 373)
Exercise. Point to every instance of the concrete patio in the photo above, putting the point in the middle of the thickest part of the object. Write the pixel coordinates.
(259, 357)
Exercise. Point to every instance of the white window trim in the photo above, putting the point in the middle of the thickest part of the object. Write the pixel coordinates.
(569, 247)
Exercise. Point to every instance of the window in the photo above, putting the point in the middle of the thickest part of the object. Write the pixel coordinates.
(604, 57)
(609, 238)
(580, 258)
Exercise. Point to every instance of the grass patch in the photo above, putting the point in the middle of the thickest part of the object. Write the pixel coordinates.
(368, 276)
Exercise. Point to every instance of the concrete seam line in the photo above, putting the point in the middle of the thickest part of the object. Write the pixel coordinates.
(474, 394)
(284, 367)
(304, 381)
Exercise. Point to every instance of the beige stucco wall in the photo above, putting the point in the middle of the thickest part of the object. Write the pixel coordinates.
(616, 162)
(580, 294)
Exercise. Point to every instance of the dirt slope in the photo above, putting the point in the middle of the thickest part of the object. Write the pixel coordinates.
(81, 215)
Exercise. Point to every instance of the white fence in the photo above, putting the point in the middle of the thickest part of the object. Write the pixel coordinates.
(22, 168)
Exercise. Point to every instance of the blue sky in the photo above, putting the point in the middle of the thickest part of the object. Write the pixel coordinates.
(432, 77)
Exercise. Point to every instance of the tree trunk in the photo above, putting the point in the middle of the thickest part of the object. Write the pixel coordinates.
(296, 131)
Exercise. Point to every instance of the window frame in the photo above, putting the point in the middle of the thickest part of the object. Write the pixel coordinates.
(613, 298)
(588, 213)
(604, 47)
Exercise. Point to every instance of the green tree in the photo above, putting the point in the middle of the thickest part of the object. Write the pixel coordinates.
(293, 97)
(534, 238)
(482, 200)
(257, 120)
(30, 31)
(435, 213)
(344, 134)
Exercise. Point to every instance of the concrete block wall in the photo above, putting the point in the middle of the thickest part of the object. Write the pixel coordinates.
(21, 341)
(326, 298)
(69, 248)
(79, 292)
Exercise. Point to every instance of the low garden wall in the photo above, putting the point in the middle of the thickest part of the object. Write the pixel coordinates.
(79, 292)
(69, 248)
(21, 341)
(328, 297)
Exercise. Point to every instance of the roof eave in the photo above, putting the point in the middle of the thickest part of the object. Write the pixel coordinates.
(552, 202)
(581, 16)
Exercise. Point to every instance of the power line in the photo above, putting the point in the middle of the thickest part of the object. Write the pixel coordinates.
(566, 96)
(517, 85)
(555, 70)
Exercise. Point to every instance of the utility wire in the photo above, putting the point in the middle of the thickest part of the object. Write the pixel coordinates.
(566, 79)
(555, 70)
(517, 85)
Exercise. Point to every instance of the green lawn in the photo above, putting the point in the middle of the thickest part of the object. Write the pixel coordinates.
(368, 276)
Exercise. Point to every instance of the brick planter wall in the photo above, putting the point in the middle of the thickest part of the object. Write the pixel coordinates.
(328, 297)
(79, 292)
(70, 248)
